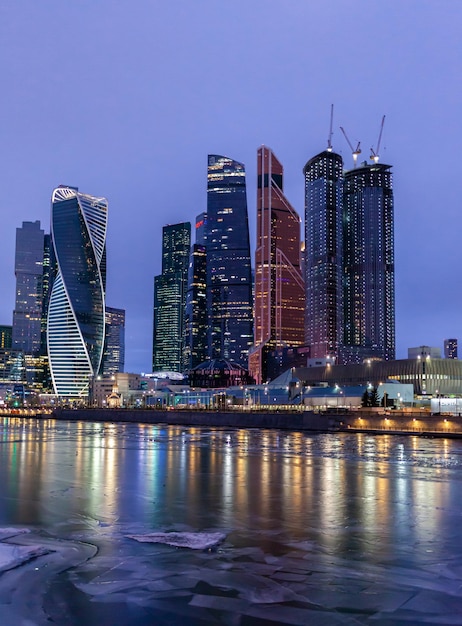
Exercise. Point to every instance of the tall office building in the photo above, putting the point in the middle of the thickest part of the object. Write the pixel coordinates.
(170, 299)
(229, 280)
(114, 342)
(279, 285)
(201, 228)
(196, 308)
(6, 337)
(323, 255)
(450, 348)
(27, 315)
(76, 313)
(368, 264)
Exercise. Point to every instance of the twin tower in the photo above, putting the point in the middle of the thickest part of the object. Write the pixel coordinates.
(331, 297)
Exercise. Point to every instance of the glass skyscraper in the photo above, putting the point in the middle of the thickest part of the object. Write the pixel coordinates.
(168, 354)
(229, 279)
(196, 308)
(76, 313)
(114, 342)
(279, 284)
(368, 264)
(323, 255)
(27, 315)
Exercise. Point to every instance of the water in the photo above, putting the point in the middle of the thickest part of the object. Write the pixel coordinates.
(318, 529)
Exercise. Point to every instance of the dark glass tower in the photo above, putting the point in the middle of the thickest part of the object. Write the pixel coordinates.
(196, 308)
(27, 315)
(76, 313)
(168, 354)
(114, 342)
(229, 280)
(323, 255)
(368, 265)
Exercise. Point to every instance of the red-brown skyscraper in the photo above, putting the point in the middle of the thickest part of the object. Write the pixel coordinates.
(279, 287)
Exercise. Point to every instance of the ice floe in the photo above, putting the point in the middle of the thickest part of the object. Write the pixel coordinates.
(195, 541)
(6, 533)
(12, 555)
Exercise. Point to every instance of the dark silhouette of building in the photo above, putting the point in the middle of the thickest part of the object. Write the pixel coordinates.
(279, 285)
(170, 300)
(229, 287)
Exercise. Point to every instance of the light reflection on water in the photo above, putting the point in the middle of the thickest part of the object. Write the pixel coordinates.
(372, 502)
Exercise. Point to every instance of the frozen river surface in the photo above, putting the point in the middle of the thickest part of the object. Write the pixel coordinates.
(104, 524)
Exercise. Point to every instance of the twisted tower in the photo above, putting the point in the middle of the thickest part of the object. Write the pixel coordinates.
(76, 313)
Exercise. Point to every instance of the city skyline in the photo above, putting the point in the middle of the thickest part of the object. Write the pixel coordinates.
(147, 121)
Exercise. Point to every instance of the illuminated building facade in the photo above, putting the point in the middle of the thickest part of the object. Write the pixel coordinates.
(196, 308)
(201, 229)
(114, 342)
(76, 314)
(229, 279)
(450, 348)
(368, 264)
(5, 337)
(170, 300)
(27, 315)
(323, 255)
(279, 285)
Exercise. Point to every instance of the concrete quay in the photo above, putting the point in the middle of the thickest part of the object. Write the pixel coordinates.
(390, 422)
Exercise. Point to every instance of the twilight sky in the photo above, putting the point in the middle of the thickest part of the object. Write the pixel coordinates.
(125, 99)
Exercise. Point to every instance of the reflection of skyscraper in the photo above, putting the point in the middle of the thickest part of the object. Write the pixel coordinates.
(368, 266)
(323, 254)
(279, 286)
(114, 343)
(170, 299)
(27, 314)
(75, 329)
(229, 287)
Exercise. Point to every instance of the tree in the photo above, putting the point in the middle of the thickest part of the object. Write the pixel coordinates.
(374, 397)
(365, 400)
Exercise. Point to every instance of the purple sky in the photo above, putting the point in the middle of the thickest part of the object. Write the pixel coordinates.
(125, 99)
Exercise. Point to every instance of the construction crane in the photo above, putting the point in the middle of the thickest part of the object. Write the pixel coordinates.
(375, 153)
(329, 139)
(355, 152)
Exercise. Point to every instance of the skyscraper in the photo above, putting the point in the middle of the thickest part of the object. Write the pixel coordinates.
(279, 285)
(229, 280)
(450, 348)
(323, 254)
(170, 300)
(368, 264)
(114, 342)
(76, 314)
(27, 314)
(196, 308)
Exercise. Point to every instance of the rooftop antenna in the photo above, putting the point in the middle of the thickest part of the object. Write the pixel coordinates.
(375, 153)
(329, 139)
(355, 152)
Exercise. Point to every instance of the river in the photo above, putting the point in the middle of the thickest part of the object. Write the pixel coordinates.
(282, 527)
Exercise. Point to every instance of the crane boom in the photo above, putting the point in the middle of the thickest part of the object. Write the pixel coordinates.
(375, 153)
(329, 139)
(354, 151)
